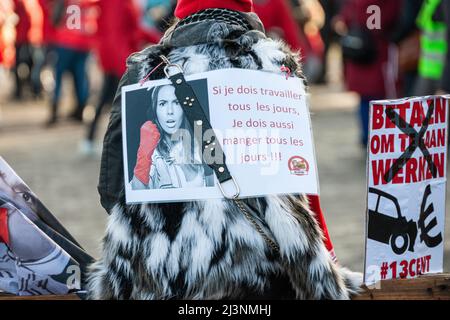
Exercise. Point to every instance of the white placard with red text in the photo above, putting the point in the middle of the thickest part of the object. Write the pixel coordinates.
(261, 120)
(407, 161)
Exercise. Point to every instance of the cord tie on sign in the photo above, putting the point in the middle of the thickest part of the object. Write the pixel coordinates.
(286, 70)
(141, 82)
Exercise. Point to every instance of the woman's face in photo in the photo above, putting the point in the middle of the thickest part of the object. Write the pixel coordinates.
(168, 110)
(18, 194)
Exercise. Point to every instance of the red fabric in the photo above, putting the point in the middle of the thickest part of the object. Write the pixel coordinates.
(30, 26)
(47, 26)
(82, 39)
(119, 34)
(149, 141)
(187, 7)
(314, 204)
(369, 80)
(276, 14)
(4, 233)
(24, 24)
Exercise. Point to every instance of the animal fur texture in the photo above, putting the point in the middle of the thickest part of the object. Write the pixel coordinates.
(208, 249)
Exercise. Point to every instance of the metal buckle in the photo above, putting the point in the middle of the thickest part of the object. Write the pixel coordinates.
(166, 69)
(234, 196)
(168, 65)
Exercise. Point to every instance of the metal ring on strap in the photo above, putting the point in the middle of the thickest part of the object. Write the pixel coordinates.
(235, 195)
(168, 65)
(166, 69)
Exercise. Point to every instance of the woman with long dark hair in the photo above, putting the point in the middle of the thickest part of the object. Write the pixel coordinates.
(168, 155)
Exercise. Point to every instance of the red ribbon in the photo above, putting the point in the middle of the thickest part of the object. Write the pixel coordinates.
(4, 232)
(287, 70)
(149, 74)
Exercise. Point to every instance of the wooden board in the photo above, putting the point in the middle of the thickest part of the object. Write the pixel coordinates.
(429, 287)
(64, 297)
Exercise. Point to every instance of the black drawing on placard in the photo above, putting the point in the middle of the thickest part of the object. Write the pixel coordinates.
(416, 139)
(394, 229)
(388, 229)
(430, 241)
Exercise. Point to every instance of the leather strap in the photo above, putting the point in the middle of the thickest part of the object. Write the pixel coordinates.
(197, 117)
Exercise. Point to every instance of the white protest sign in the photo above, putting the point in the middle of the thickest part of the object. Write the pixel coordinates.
(261, 120)
(407, 161)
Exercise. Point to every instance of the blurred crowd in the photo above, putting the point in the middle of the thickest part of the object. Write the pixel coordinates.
(390, 48)
(393, 49)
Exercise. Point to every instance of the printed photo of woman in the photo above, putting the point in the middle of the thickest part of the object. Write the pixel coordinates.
(168, 155)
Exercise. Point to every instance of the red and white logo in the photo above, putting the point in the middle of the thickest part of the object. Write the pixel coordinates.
(298, 166)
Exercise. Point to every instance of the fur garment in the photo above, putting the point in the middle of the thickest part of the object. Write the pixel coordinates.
(208, 249)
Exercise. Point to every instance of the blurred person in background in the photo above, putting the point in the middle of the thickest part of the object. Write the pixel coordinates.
(8, 20)
(156, 15)
(73, 38)
(367, 68)
(278, 19)
(311, 18)
(52, 11)
(445, 81)
(119, 34)
(433, 46)
(47, 7)
(49, 12)
(407, 37)
(29, 57)
(330, 9)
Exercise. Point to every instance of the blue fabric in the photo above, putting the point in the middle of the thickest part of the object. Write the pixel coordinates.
(74, 62)
(364, 119)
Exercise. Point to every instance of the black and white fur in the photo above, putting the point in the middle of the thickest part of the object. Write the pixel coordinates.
(208, 249)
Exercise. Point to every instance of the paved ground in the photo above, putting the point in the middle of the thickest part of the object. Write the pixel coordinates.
(49, 161)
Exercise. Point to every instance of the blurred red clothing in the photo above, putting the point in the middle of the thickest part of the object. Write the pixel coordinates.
(47, 26)
(24, 24)
(115, 39)
(119, 34)
(277, 14)
(29, 27)
(369, 79)
(314, 204)
(7, 51)
(78, 27)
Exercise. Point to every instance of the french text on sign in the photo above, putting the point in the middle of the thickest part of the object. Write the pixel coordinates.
(260, 119)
